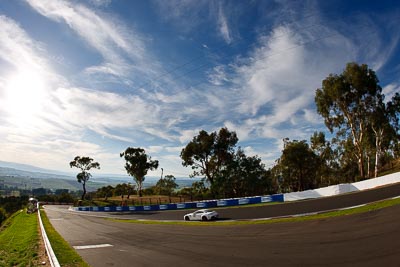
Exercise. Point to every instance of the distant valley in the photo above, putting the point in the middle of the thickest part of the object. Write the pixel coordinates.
(27, 177)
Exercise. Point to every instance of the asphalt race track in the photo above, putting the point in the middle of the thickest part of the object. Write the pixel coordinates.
(368, 239)
(287, 209)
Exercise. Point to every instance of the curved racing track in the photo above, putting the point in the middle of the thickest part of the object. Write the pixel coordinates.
(269, 211)
(367, 239)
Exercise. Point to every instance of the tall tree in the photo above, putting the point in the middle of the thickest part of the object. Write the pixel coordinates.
(105, 191)
(298, 165)
(243, 176)
(84, 164)
(344, 101)
(121, 190)
(138, 163)
(326, 157)
(381, 129)
(166, 185)
(208, 153)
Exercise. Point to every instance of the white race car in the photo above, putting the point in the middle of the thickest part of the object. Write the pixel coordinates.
(201, 215)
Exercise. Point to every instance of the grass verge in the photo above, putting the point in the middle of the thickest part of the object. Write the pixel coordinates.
(66, 255)
(367, 208)
(19, 240)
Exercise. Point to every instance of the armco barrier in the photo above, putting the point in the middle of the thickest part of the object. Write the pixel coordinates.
(188, 205)
(50, 253)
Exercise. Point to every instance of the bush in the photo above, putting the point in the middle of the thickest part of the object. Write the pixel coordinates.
(3, 215)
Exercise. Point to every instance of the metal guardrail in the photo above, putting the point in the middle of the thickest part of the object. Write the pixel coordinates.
(50, 253)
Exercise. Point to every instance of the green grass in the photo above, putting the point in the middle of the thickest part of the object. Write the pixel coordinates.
(66, 255)
(19, 240)
(331, 214)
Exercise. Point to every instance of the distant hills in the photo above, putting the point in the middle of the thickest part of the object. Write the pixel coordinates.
(23, 176)
(30, 168)
(23, 179)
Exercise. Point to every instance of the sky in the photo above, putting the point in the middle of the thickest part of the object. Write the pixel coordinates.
(91, 78)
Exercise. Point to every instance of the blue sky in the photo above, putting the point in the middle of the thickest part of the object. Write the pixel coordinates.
(93, 77)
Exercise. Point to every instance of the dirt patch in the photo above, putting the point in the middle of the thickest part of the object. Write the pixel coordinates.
(42, 258)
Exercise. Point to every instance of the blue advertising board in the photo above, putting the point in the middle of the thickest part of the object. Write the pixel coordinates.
(189, 205)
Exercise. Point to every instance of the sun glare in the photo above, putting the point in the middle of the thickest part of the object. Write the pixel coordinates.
(24, 96)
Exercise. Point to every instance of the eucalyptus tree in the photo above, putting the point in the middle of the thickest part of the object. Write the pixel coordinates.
(166, 185)
(346, 102)
(298, 166)
(208, 154)
(84, 164)
(137, 164)
(121, 190)
(328, 162)
(244, 176)
(105, 191)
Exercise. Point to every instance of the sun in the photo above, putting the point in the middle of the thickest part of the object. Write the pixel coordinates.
(24, 96)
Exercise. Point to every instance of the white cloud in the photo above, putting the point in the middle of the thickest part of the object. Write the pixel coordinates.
(218, 75)
(223, 25)
(100, 111)
(100, 3)
(16, 48)
(154, 149)
(47, 129)
(189, 15)
(243, 130)
(390, 90)
(122, 49)
(186, 14)
(282, 74)
(187, 135)
(266, 94)
(312, 116)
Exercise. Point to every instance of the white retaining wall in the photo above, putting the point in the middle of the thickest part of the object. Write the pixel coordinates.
(343, 188)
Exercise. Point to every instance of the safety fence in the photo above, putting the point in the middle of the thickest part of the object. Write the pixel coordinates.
(188, 205)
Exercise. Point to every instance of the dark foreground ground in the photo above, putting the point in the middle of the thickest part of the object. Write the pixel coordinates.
(368, 239)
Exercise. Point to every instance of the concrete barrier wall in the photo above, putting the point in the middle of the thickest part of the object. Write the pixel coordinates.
(343, 188)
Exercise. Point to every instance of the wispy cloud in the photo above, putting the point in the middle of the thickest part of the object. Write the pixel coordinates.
(218, 75)
(264, 93)
(122, 49)
(187, 14)
(223, 25)
(16, 47)
(56, 117)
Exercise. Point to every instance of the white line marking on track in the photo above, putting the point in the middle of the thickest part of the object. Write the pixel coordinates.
(353, 207)
(92, 246)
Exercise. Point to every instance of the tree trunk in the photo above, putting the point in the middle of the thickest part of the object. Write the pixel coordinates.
(361, 167)
(377, 158)
(84, 191)
(378, 141)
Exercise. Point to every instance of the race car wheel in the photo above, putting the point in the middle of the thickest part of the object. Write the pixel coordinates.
(204, 218)
(187, 218)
